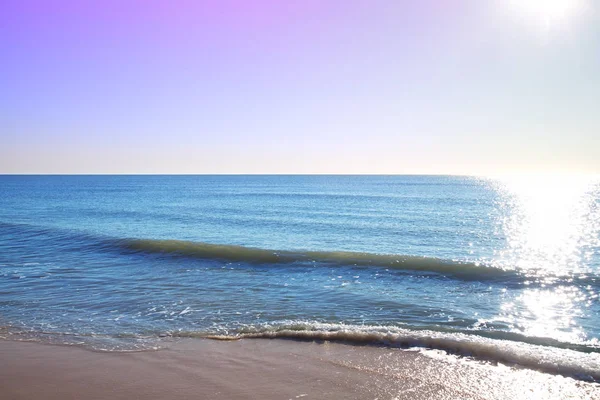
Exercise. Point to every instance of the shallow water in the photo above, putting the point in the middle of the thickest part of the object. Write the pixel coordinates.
(505, 269)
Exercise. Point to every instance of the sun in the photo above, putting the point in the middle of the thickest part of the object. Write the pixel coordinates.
(548, 10)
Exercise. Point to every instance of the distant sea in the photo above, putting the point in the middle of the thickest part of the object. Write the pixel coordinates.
(505, 270)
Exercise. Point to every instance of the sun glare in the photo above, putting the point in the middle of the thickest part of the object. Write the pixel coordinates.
(548, 11)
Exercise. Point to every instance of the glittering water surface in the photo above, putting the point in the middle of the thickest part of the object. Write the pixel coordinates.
(118, 261)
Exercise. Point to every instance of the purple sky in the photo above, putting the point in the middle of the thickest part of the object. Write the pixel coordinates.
(297, 87)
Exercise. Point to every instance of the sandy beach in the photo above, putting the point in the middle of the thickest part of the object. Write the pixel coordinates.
(266, 369)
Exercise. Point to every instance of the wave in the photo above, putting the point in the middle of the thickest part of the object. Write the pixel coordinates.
(576, 361)
(583, 365)
(347, 258)
(78, 241)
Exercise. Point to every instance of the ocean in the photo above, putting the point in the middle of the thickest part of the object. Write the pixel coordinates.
(496, 269)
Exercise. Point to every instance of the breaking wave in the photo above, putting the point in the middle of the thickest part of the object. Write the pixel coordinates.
(580, 364)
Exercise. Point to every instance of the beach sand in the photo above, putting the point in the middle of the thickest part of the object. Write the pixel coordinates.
(266, 369)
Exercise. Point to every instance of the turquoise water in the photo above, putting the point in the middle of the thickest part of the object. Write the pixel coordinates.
(501, 269)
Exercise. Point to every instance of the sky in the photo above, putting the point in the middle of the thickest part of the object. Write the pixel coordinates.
(315, 86)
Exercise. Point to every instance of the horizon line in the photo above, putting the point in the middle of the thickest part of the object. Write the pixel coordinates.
(483, 175)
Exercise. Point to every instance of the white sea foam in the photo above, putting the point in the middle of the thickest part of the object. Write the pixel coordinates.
(580, 364)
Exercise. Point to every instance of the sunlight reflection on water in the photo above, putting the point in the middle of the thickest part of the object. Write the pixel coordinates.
(551, 223)
(552, 226)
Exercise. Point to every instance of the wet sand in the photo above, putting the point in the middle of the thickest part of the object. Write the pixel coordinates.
(267, 369)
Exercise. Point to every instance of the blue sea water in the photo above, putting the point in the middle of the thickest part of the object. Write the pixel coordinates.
(501, 269)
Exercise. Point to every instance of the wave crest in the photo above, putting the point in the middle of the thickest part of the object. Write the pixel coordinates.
(234, 253)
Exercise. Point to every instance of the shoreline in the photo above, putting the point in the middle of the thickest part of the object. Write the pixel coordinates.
(266, 369)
